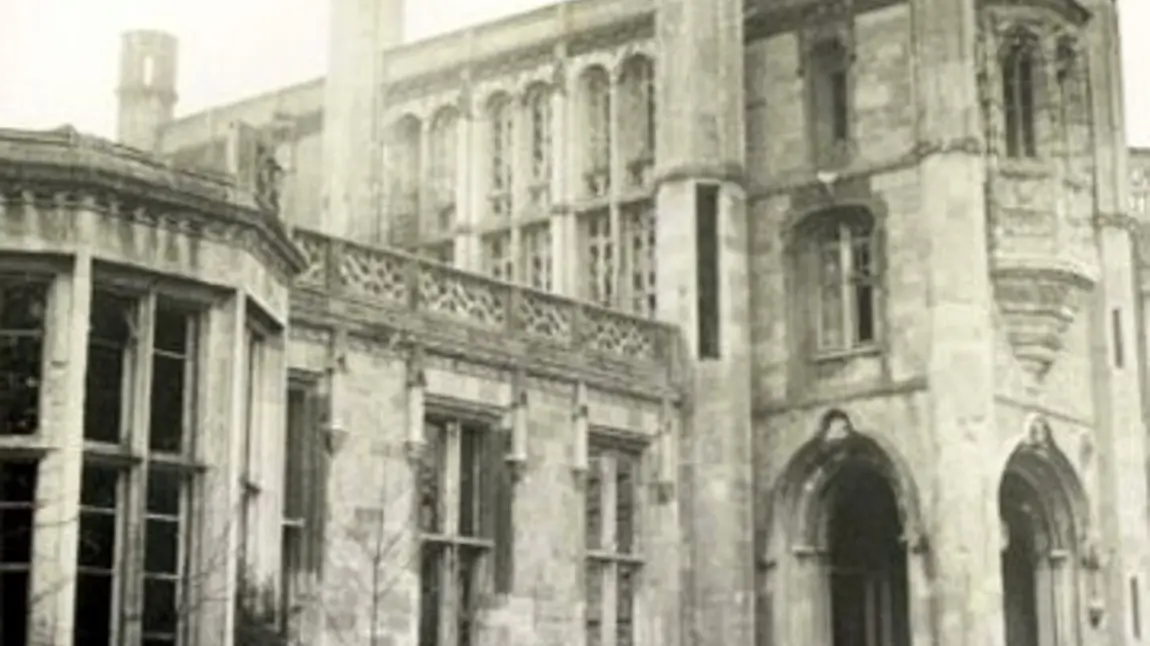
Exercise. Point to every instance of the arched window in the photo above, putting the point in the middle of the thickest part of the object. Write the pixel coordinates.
(596, 90)
(502, 128)
(443, 159)
(638, 118)
(403, 203)
(840, 254)
(829, 89)
(539, 116)
(1019, 81)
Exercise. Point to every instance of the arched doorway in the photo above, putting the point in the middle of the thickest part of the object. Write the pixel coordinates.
(842, 552)
(867, 561)
(1042, 509)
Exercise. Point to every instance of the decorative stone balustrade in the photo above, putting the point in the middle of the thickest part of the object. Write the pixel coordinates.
(397, 281)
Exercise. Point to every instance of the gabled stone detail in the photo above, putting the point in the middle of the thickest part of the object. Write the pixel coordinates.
(1038, 300)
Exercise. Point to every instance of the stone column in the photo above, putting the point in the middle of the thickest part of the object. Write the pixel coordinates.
(360, 32)
(701, 144)
(960, 365)
(1118, 351)
(563, 245)
(56, 521)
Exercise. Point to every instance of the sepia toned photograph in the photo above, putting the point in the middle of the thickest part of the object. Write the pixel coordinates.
(575, 323)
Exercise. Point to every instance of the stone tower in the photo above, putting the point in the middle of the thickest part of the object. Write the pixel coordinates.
(701, 238)
(361, 31)
(147, 91)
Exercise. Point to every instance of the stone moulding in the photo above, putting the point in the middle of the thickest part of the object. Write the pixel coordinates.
(1038, 300)
(455, 312)
(63, 164)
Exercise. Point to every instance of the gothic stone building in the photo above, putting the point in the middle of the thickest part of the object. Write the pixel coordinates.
(617, 323)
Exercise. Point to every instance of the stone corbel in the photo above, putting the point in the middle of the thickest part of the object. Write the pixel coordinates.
(517, 420)
(580, 426)
(416, 383)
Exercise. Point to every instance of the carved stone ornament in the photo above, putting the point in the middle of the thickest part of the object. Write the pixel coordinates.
(1038, 302)
(835, 427)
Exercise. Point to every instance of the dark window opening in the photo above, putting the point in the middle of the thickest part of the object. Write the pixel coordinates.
(613, 568)
(462, 534)
(162, 542)
(830, 101)
(707, 269)
(17, 504)
(96, 556)
(22, 308)
(171, 363)
(839, 105)
(868, 569)
(1116, 332)
(843, 253)
(110, 335)
(1135, 608)
(1018, 88)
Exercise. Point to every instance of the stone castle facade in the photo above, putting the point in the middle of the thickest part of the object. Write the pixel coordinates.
(616, 323)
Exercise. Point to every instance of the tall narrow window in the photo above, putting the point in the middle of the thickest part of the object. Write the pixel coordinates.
(138, 479)
(250, 453)
(612, 511)
(1135, 609)
(462, 484)
(22, 306)
(1019, 71)
(830, 98)
(640, 222)
(599, 257)
(502, 146)
(539, 113)
(97, 555)
(637, 119)
(444, 151)
(537, 255)
(17, 505)
(497, 258)
(596, 122)
(707, 283)
(108, 391)
(301, 478)
(842, 257)
(404, 203)
(1118, 338)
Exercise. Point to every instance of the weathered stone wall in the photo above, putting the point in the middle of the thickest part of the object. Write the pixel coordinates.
(373, 482)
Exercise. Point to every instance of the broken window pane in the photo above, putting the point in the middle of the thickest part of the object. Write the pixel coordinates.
(17, 503)
(22, 305)
(170, 362)
(109, 341)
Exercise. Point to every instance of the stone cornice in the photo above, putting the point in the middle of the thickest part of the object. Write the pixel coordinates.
(123, 181)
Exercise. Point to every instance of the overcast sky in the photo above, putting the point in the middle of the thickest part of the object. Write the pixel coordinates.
(58, 58)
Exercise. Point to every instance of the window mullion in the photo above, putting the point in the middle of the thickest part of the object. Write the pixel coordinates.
(451, 483)
(846, 279)
(608, 496)
(136, 479)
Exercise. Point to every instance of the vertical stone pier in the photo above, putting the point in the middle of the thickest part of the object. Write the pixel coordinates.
(702, 276)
